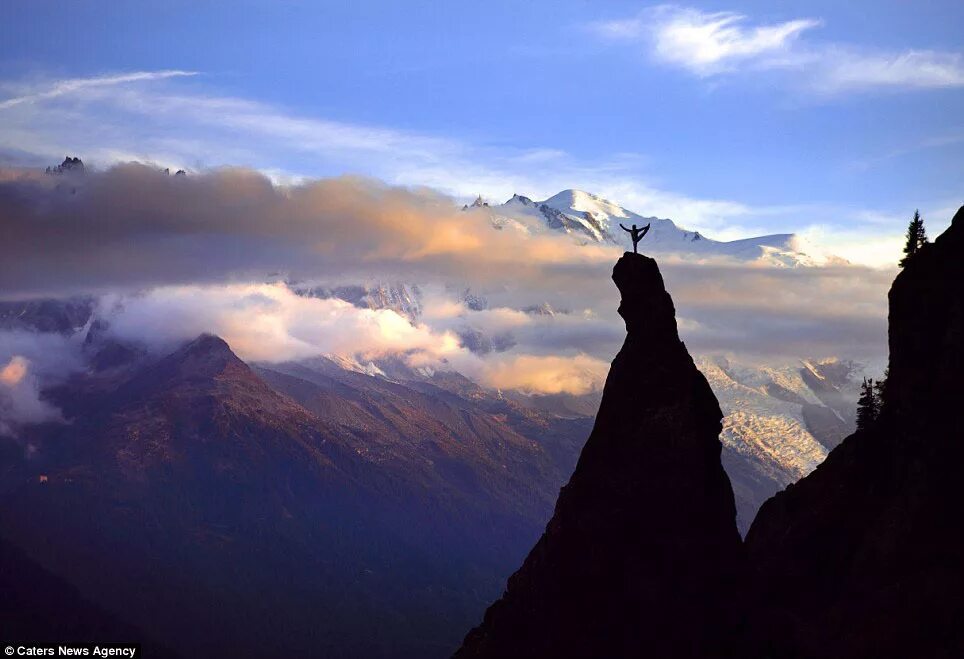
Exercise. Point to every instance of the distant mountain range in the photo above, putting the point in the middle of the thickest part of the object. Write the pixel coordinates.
(592, 218)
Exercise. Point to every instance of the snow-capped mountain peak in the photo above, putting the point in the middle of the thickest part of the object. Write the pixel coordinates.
(592, 218)
(586, 202)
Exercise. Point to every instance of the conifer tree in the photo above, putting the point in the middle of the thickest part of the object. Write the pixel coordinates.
(880, 392)
(866, 405)
(916, 238)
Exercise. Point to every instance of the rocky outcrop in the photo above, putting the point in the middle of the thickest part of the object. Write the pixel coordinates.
(862, 558)
(642, 556)
(68, 166)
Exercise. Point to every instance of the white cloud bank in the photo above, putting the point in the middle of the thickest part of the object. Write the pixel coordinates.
(270, 323)
(710, 44)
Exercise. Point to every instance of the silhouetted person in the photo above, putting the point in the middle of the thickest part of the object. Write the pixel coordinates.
(636, 234)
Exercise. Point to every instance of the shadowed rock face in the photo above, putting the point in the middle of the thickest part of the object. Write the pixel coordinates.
(39, 607)
(642, 556)
(863, 558)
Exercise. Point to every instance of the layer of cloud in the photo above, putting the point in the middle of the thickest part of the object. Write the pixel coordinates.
(271, 323)
(717, 43)
(773, 313)
(133, 226)
(173, 257)
(549, 374)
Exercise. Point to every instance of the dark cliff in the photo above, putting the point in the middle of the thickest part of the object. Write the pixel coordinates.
(864, 556)
(642, 554)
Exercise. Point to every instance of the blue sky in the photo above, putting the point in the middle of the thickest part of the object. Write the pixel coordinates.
(834, 119)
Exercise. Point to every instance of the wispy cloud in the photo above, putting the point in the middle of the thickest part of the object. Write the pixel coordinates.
(712, 44)
(706, 43)
(849, 69)
(927, 144)
(146, 117)
(74, 85)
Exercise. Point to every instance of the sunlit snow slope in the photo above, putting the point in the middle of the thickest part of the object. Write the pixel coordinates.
(595, 219)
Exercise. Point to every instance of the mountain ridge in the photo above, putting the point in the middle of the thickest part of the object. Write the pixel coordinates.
(591, 217)
(867, 548)
(276, 498)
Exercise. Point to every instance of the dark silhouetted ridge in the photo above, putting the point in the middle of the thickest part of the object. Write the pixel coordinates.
(863, 558)
(642, 555)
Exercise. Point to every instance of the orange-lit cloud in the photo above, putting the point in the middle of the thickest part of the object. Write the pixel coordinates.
(548, 374)
(132, 226)
(13, 373)
(20, 401)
